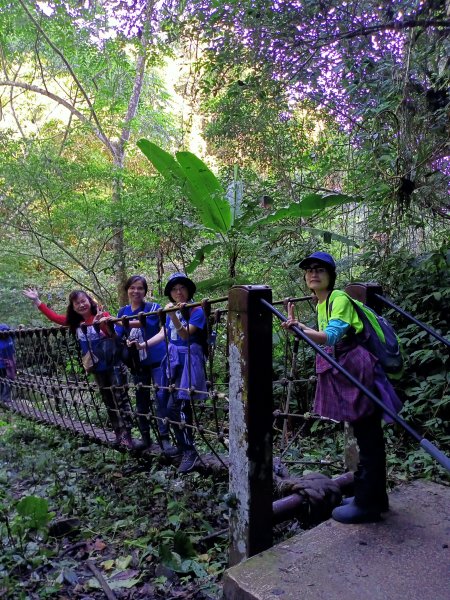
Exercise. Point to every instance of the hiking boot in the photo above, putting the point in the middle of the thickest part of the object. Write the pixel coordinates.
(168, 449)
(383, 506)
(143, 444)
(352, 514)
(188, 462)
(172, 452)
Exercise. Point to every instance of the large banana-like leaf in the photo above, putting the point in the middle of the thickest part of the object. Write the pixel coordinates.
(197, 182)
(209, 195)
(163, 162)
(310, 204)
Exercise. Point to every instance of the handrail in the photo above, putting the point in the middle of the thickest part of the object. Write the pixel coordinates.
(428, 446)
(427, 328)
(299, 299)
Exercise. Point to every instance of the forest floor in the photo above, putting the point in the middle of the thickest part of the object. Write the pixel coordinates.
(86, 522)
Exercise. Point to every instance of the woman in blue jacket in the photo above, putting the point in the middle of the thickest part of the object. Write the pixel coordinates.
(184, 365)
(148, 370)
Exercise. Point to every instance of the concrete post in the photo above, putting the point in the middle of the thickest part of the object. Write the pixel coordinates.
(251, 418)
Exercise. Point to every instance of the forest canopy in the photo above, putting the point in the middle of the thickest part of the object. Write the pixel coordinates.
(285, 103)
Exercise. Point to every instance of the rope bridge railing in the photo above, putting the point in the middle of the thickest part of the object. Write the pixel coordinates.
(253, 443)
(51, 385)
(293, 394)
(426, 444)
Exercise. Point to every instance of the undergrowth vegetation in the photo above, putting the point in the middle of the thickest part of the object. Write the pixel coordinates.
(70, 511)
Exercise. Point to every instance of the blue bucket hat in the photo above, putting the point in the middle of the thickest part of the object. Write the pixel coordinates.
(176, 278)
(319, 257)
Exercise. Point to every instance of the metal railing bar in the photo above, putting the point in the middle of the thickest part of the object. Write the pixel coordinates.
(423, 326)
(437, 454)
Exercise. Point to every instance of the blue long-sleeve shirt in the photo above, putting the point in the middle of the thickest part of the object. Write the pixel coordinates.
(335, 331)
(155, 354)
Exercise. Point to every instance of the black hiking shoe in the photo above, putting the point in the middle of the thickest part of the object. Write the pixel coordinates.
(168, 449)
(141, 445)
(188, 462)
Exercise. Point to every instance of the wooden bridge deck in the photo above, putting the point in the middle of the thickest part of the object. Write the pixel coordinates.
(405, 556)
(64, 421)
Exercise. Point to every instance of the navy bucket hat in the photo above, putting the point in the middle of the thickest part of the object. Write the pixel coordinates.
(318, 257)
(177, 278)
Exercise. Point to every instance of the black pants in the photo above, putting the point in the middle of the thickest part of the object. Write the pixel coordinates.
(370, 478)
(150, 374)
(116, 400)
(181, 410)
(5, 388)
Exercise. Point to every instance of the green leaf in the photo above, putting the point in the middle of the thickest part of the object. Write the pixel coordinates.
(168, 558)
(209, 196)
(124, 562)
(197, 182)
(310, 204)
(34, 509)
(220, 281)
(162, 161)
(182, 545)
(200, 256)
(333, 236)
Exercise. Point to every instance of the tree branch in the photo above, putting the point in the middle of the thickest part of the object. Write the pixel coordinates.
(38, 90)
(394, 26)
(138, 80)
(74, 77)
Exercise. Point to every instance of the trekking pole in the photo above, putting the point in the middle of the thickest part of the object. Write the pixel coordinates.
(428, 446)
(426, 328)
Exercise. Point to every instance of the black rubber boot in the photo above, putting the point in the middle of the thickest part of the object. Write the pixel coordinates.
(383, 505)
(353, 514)
(168, 449)
(144, 443)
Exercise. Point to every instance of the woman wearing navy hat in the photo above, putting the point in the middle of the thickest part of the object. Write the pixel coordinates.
(184, 365)
(337, 398)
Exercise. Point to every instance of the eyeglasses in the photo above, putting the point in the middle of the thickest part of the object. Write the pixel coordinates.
(318, 270)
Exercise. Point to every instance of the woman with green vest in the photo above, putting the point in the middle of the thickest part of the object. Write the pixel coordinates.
(341, 331)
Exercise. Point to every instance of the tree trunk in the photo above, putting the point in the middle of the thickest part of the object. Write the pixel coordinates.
(118, 241)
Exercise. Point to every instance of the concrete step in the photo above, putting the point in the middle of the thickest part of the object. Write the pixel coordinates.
(406, 556)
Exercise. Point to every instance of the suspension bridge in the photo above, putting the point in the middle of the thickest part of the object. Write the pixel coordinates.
(251, 421)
